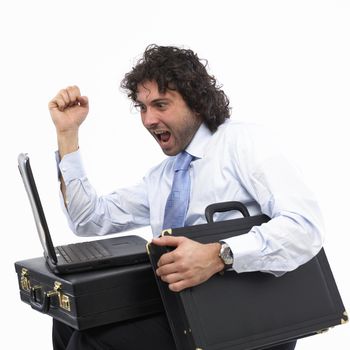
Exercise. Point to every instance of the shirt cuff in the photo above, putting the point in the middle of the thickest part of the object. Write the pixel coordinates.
(245, 248)
(70, 167)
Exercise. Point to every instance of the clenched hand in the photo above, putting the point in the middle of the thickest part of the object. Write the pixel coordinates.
(189, 264)
(68, 110)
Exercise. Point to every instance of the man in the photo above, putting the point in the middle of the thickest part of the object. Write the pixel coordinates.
(188, 115)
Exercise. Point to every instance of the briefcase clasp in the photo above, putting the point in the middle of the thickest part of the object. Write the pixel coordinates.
(63, 299)
(25, 282)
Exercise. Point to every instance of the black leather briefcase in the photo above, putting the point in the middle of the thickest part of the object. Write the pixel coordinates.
(248, 310)
(89, 299)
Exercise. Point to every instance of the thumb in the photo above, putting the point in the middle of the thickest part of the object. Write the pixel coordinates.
(83, 101)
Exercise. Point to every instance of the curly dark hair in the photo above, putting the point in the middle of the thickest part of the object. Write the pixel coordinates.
(181, 70)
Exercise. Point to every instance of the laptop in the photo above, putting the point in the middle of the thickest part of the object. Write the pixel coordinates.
(84, 256)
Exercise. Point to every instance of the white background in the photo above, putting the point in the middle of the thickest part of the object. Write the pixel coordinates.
(284, 64)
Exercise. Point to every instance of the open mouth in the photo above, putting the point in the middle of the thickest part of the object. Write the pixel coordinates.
(162, 136)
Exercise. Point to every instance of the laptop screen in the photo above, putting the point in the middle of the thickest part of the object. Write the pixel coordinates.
(35, 203)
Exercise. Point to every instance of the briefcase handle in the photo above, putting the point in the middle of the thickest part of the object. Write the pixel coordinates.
(211, 209)
(46, 299)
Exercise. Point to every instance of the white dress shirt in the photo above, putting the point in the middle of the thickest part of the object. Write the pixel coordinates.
(239, 162)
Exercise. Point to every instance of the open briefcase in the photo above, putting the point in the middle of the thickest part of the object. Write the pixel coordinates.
(249, 310)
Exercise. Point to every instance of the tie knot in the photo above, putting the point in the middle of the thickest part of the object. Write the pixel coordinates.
(183, 161)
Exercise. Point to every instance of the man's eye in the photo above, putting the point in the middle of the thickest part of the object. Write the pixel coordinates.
(161, 104)
(140, 107)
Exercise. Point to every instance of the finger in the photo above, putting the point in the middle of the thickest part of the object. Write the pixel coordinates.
(53, 104)
(184, 283)
(73, 93)
(60, 101)
(168, 241)
(167, 258)
(167, 269)
(76, 98)
(65, 96)
(180, 285)
(74, 90)
(57, 102)
(172, 278)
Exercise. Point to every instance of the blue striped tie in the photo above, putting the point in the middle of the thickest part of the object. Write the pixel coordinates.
(177, 204)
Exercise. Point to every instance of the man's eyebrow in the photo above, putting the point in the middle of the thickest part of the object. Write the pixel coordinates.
(156, 100)
(161, 99)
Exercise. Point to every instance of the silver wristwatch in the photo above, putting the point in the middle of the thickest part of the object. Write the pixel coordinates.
(226, 255)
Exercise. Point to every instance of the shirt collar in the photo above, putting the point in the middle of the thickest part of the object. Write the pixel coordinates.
(200, 139)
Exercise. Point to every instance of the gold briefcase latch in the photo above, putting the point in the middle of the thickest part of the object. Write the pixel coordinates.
(63, 299)
(25, 282)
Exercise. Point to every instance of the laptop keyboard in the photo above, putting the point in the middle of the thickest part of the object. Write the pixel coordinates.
(82, 251)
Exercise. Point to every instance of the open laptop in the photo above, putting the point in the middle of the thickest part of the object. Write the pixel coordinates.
(83, 256)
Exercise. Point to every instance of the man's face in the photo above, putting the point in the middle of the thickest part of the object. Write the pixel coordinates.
(167, 117)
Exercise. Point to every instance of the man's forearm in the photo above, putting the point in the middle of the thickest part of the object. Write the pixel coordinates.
(67, 143)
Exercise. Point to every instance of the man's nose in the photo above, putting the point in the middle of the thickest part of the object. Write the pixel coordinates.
(149, 118)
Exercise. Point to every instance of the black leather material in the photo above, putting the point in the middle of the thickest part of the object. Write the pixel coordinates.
(96, 297)
(211, 209)
(249, 310)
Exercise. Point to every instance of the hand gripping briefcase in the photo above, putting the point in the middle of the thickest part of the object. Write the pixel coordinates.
(249, 310)
(89, 299)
